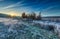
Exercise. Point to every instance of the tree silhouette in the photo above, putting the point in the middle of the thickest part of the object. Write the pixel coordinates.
(23, 15)
(33, 15)
(39, 16)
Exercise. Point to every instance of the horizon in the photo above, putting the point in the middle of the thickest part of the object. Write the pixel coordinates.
(20, 15)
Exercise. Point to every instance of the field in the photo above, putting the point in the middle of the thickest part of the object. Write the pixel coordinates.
(22, 29)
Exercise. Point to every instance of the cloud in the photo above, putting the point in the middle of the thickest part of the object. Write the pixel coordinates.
(48, 8)
(13, 5)
(1, 0)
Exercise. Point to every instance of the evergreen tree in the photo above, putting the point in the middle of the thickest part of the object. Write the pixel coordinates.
(23, 15)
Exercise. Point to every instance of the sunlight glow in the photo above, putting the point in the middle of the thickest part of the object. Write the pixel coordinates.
(12, 13)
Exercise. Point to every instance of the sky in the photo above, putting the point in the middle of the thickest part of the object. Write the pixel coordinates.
(46, 7)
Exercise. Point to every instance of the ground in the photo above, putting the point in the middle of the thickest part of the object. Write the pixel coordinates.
(19, 29)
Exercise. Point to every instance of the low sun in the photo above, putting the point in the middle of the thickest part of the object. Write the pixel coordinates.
(13, 15)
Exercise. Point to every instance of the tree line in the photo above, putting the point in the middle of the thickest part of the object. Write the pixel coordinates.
(31, 16)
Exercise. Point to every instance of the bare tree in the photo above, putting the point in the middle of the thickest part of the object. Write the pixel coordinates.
(33, 16)
(39, 16)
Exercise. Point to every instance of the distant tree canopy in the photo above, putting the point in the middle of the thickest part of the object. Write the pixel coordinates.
(31, 16)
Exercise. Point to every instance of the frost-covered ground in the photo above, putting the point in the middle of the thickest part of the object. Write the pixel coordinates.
(46, 24)
(18, 29)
